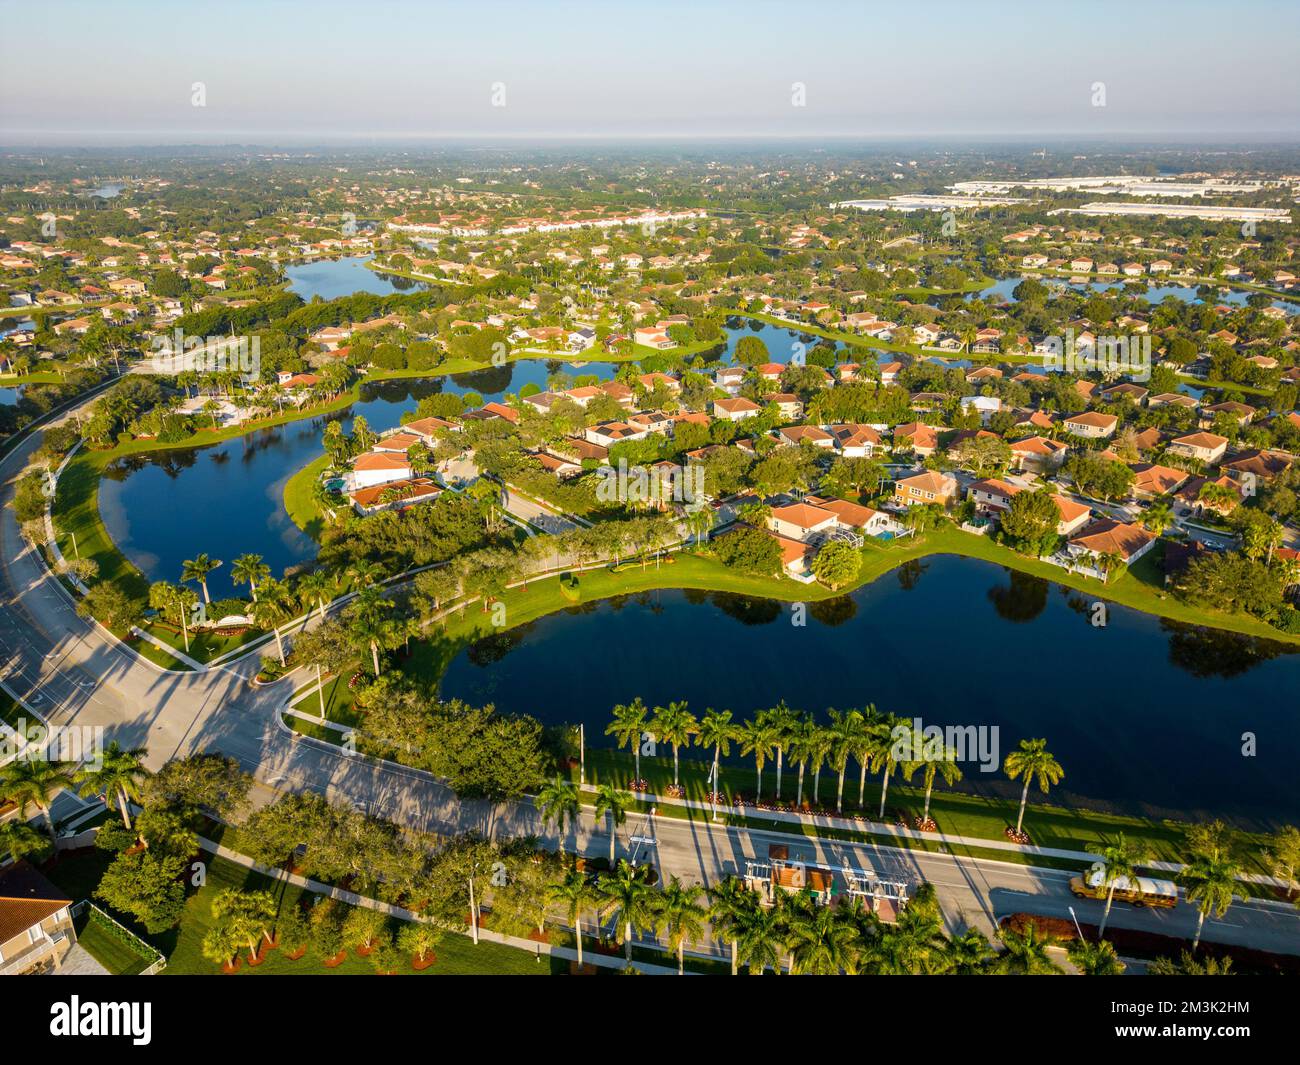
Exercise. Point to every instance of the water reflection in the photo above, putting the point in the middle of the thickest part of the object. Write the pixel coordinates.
(1021, 599)
(1216, 653)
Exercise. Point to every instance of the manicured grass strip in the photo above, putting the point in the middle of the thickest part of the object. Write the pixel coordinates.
(109, 946)
(299, 497)
(204, 646)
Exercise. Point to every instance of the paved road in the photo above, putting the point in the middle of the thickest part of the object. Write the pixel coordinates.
(75, 673)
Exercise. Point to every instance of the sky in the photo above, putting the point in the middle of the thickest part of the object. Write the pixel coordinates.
(380, 71)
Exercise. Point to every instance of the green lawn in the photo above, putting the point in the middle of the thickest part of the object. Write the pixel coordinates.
(108, 946)
(299, 500)
(204, 646)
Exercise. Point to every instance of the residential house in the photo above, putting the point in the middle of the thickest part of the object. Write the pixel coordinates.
(1206, 447)
(1038, 454)
(378, 467)
(916, 437)
(393, 495)
(1151, 480)
(736, 409)
(1091, 424)
(855, 440)
(1126, 541)
(929, 486)
(801, 521)
(36, 932)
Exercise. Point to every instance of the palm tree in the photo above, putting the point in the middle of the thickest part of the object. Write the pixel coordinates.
(197, 569)
(35, 781)
(612, 803)
(1095, 959)
(1109, 563)
(627, 900)
(819, 748)
(680, 916)
(316, 587)
(729, 902)
(757, 737)
(1158, 517)
(946, 767)
(969, 953)
(884, 755)
(1033, 762)
(800, 743)
(165, 597)
(117, 778)
(365, 573)
(1025, 953)
(864, 745)
(1121, 860)
(18, 839)
(276, 606)
(675, 725)
(823, 942)
(559, 803)
(759, 940)
(628, 727)
(575, 894)
(249, 569)
(247, 915)
(717, 731)
(782, 720)
(1211, 881)
(846, 731)
(221, 944)
(368, 622)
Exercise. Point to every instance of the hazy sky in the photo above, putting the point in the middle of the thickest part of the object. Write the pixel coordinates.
(280, 71)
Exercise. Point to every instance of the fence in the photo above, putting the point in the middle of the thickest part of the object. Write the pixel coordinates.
(122, 934)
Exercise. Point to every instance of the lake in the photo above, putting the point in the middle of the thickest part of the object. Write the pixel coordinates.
(163, 507)
(332, 278)
(1144, 717)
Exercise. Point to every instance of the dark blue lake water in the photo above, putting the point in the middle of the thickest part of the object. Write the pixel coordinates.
(1144, 717)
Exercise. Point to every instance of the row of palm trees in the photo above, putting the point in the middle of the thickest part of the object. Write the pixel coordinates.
(801, 936)
(867, 737)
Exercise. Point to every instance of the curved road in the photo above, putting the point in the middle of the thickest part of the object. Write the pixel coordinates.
(75, 673)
